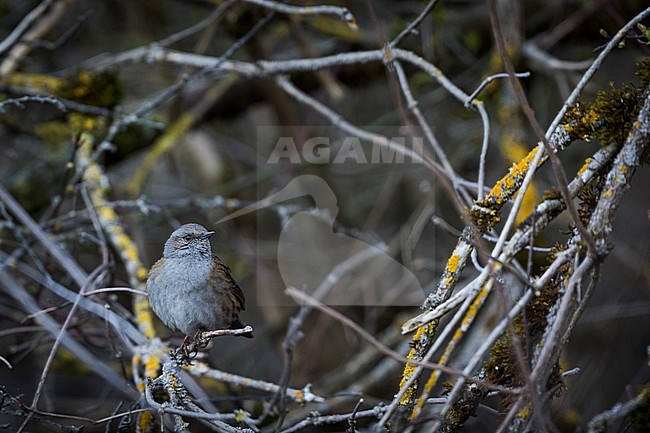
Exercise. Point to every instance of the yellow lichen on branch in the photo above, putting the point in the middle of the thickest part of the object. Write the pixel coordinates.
(37, 82)
(454, 265)
(98, 187)
(467, 321)
(515, 150)
(508, 185)
(409, 396)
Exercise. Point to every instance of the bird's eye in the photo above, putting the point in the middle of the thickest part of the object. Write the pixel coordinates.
(187, 237)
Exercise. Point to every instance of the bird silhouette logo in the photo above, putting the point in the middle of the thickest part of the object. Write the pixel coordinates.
(335, 268)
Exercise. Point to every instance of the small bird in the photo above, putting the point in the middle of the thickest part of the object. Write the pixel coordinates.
(190, 289)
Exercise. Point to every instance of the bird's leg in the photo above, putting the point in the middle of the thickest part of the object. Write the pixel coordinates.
(183, 353)
(185, 341)
(184, 350)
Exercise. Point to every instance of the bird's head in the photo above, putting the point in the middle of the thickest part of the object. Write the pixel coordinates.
(189, 240)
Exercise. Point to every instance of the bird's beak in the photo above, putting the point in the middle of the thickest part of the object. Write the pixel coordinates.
(206, 235)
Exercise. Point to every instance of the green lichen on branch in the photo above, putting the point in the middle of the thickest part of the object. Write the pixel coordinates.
(465, 407)
(103, 89)
(589, 194)
(97, 89)
(484, 219)
(643, 71)
(552, 194)
(610, 117)
(588, 197)
(502, 367)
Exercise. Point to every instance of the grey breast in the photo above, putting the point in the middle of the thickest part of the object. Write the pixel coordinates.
(181, 296)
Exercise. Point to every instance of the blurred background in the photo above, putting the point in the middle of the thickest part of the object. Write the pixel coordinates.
(165, 172)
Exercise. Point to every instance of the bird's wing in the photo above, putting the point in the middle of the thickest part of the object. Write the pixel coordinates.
(229, 281)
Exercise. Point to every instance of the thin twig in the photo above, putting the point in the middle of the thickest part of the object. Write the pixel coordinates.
(211, 19)
(528, 111)
(24, 25)
(352, 422)
(7, 363)
(599, 423)
(304, 395)
(334, 419)
(19, 102)
(413, 24)
(341, 12)
(115, 289)
(303, 297)
(488, 80)
(51, 46)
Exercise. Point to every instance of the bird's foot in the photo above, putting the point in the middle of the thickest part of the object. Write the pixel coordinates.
(200, 341)
(185, 353)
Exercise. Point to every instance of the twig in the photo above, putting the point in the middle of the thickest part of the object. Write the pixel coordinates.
(304, 395)
(107, 429)
(446, 169)
(599, 423)
(115, 289)
(188, 413)
(203, 339)
(61, 256)
(37, 43)
(535, 53)
(341, 12)
(7, 363)
(429, 316)
(303, 297)
(459, 255)
(334, 419)
(352, 421)
(69, 105)
(211, 19)
(343, 124)
(98, 186)
(565, 314)
(24, 25)
(18, 102)
(488, 80)
(48, 13)
(478, 355)
(528, 111)
(413, 24)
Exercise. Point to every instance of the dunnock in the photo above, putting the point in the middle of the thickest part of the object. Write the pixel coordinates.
(191, 289)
